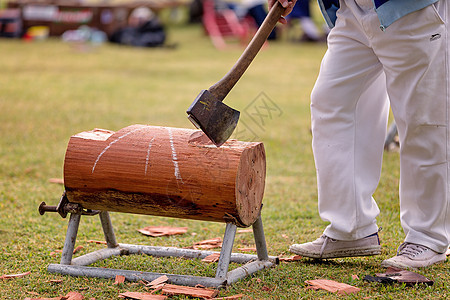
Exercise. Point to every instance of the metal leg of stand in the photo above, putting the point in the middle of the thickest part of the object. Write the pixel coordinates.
(108, 230)
(71, 237)
(225, 253)
(260, 240)
(79, 266)
(390, 136)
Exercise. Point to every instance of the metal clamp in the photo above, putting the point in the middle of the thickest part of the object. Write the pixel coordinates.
(64, 207)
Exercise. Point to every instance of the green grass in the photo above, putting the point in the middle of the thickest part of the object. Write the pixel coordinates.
(51, 90)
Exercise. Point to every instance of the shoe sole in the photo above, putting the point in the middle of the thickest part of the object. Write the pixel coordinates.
(366, 251)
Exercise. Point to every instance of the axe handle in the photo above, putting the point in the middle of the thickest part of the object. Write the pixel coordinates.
(221, 88)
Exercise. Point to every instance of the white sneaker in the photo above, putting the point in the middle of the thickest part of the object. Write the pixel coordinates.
(326, 247)
(413, 256)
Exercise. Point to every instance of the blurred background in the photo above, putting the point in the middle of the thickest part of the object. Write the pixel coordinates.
(141, 23)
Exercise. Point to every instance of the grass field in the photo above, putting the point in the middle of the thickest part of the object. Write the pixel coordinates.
(51, 90)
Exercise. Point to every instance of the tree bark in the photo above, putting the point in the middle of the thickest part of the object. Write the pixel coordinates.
(167, 172)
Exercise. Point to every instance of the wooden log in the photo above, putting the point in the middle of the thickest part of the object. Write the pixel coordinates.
(165, 171)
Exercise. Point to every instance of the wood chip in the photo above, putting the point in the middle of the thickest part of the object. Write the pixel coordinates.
(53, 253)
(208, 244)
(249, 230)
(56, 180)
(331, 286)
(404, 276)
(206, 247)
(158, 281)
(157, 231)
(291, 258)
(171, 289)
(141, 296)
(55, 281)
(77, 249)
(157, 288)
(209, 241)
(238, 296)
(69, 296)
(211, 258)
(55, 298)
(96, 242)
(119, 279)
(74, 296)
(248, 249)
(14, 275)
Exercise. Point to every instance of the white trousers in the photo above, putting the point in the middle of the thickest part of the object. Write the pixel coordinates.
(363, 68)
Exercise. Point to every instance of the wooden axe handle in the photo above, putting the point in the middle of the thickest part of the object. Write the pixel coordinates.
(221, 88)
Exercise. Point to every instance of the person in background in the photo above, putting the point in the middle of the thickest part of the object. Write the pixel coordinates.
(311, 32)
(377, 49)
(255, 9)
(195, 11)
(144, 30)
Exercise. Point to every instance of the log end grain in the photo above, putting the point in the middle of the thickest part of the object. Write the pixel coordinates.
(250, 183)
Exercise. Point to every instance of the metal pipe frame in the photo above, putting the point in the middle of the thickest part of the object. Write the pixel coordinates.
(108, 230)
(79, 266)
(71, 238)
(225, 252)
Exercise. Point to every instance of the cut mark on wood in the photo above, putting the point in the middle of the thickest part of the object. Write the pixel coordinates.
(174, 156)
(112, 143)
(96, 134)
(198, 138)
(148, 154)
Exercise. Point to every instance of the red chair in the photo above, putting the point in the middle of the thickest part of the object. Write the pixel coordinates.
(221, 23)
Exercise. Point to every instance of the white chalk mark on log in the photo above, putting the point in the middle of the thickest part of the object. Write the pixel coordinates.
(112, 143)
(148, 154)
(174, 156)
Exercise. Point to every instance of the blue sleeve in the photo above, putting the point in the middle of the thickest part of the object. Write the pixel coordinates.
(329, 9)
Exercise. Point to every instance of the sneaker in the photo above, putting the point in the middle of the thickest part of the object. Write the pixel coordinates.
(326, 247)
(413, 256)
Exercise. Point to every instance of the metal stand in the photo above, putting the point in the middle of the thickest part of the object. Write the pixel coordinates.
(390, 135)
(79, 266)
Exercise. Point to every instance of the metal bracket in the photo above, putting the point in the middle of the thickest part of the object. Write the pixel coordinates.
(64, 207)
(79, 266)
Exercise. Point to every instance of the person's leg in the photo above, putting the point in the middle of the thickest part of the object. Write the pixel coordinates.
(310, 30)
(415, 53)
(302, 12)
(349, 110)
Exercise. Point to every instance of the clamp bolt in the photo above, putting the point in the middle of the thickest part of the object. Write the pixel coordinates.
(43, 208)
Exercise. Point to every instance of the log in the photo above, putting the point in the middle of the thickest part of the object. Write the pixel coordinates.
(163, 171)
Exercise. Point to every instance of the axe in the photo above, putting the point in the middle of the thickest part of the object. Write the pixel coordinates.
(208, 112)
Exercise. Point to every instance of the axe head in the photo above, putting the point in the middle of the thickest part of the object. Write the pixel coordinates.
(213, 117)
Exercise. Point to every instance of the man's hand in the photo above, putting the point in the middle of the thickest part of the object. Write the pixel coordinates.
(287, 4)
